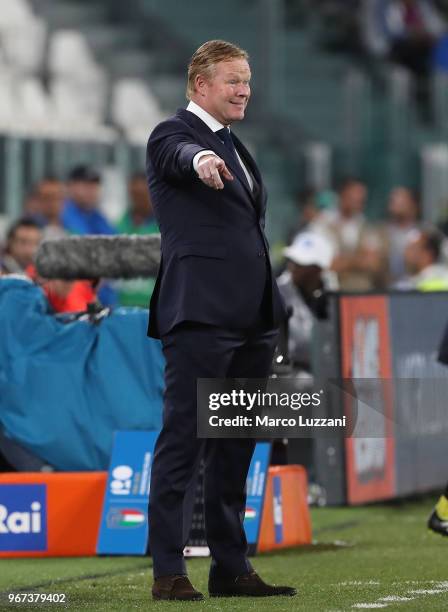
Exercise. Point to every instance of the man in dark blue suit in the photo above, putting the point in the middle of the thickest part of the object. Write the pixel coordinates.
(216, 308)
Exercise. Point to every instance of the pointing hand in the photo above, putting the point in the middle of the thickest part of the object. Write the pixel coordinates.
(211, 170)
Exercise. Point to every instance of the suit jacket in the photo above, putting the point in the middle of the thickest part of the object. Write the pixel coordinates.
(214, 265)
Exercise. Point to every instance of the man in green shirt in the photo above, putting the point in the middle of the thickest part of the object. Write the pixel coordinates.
(138, 219)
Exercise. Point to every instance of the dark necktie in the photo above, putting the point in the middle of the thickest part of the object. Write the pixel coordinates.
(225, 137)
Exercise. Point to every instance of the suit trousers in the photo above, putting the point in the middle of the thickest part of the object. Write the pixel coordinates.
(192, 351)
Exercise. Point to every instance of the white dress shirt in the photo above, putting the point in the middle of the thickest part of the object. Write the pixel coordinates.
(214, 125)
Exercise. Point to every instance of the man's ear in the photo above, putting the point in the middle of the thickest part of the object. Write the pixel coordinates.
(201, 84)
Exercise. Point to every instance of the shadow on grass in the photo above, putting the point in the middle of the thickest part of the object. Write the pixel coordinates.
(78, 578)
(307, 549)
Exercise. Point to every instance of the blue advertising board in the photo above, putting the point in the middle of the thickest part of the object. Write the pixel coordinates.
(256, 487)
(124, 523)
(23, 517)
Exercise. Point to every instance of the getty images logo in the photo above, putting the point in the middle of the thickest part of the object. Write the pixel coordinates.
(23, 518)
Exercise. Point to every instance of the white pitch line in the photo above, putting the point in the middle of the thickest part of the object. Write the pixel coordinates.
(427, 591)
(358, 583)
(441, 587)
(395, 598)
(442, 584)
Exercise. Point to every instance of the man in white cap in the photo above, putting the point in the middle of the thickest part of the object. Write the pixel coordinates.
(303, 286)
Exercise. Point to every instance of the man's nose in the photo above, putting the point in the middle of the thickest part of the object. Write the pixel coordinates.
(243, 91)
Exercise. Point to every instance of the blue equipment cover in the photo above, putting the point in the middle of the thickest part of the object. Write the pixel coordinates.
(66, 387)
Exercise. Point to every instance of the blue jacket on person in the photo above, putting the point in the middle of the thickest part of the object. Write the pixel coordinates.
(78, 220)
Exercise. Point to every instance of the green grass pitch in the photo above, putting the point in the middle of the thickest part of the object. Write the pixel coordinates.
(376, 557)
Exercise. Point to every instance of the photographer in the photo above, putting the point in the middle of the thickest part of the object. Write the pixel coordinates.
(303, 286)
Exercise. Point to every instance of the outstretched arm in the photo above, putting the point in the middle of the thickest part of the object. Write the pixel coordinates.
(171, 150)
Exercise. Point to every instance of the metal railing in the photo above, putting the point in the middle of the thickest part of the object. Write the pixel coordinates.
(25, 160)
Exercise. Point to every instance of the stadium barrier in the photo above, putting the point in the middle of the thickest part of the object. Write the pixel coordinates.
(50, 514)
(59, 514)
(393, 340)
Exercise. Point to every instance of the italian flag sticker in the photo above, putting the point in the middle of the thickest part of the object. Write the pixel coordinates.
(131, 518)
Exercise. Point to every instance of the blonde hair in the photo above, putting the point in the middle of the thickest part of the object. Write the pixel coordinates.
(205, 58)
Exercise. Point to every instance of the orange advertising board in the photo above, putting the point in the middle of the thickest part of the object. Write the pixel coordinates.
(286, 517)
(366, 354)
(50, 514)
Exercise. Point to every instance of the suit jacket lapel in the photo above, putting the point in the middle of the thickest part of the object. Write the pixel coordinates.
(248, 159)
(217, 145)
(252, 166)
(233, 164)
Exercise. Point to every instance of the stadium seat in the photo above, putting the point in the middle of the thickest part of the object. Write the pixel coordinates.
(73, 100)
(33, 101)
(78, 87)
(24, 45)
(134, 109)
(69, 54)
(15, 13)
(7, 102)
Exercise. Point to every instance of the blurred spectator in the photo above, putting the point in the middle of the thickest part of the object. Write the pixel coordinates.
(314, 207)
(423, 260)
(308, 210)
(63, 295)
(49, 195)
(358, 261)
(303, 285)
(315, 210)
(80, 214)
(396, 232)
(406, 32)
(139, 219)
(31, 205)
(22, 241)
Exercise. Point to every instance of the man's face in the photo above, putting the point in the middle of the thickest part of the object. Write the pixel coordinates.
(32, 205)
(416, 255)
(402, 208)
(309, 211)
(50, 195)
(305, 277)
(352, 199)
(23, 245)
(139, 196)
(85, 193)
(226, 93)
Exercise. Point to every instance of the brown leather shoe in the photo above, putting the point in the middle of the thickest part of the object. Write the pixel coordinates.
(247, 585)
(177, 587)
